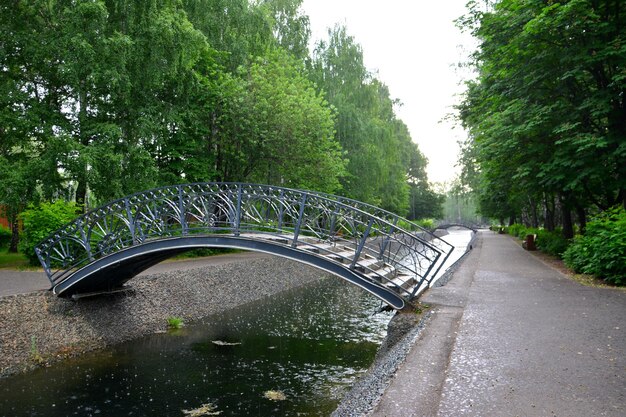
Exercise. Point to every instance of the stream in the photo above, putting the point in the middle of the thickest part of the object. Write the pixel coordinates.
(292, 354)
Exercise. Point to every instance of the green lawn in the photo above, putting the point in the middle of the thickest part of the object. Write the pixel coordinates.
(12, 260)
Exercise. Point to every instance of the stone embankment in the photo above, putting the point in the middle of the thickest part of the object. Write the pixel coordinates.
(38, 328)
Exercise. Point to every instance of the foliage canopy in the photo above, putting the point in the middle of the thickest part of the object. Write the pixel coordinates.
(546, 113)
(102, 98)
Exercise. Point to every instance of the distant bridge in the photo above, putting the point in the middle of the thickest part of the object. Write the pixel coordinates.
(390, 257)
(471, 227)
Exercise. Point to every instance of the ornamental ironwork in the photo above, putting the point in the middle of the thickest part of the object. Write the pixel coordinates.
(381, 248)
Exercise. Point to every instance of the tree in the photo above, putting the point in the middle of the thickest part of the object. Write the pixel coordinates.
(107, 81)
(546, 115)
(279, 130)
(378, 145)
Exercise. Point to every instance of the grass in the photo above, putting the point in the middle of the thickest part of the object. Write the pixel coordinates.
(203, 252)
(34, 351)
(10, 260)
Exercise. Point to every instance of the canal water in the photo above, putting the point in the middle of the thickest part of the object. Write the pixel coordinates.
(294, 354)
(459, 238)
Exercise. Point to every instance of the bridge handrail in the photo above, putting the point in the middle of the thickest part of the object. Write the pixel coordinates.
(122, 223)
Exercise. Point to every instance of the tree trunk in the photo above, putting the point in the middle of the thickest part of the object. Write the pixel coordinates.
(568, 224)
(81, 193)
(81, 190)
(549, 223)
(582, 219)
(15, 235)
(534, 218)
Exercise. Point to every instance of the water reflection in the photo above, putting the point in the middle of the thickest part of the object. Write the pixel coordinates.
(308, 344)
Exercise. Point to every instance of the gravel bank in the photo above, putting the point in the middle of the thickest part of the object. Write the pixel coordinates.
(39, 328)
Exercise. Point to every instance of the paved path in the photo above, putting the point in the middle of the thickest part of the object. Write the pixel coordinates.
(513, 337)
(18, 282)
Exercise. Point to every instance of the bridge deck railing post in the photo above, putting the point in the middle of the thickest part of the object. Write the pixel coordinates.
(181, 209)
(359, 249)
(131, 220)
(333, 224)
(237, 219)
(385, 243)
(296, 232)
(281, 209)
(86, 243)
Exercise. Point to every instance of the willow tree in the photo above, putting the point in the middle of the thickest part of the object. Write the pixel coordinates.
(378, 145)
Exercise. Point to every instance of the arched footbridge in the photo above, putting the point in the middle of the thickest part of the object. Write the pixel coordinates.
(442, 226)
(384, 254)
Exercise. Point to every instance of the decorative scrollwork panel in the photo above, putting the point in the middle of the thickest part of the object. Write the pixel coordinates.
(373, 241)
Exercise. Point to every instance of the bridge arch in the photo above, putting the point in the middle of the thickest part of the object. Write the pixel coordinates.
(388, 256)
(449, 225)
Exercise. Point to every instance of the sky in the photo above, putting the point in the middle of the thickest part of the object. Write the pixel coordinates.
(413, 47)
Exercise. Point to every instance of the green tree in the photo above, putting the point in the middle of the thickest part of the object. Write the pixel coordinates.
(238, 29)
(378, 145)
(106, 82)
(546, 114)
(282, 129)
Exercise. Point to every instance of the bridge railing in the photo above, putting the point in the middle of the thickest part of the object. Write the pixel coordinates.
(302, 219)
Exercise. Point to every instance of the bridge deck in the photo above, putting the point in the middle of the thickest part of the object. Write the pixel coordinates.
(363, 244)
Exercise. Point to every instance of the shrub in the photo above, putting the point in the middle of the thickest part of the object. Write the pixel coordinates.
(425, 223)
(552, 242)
(5, 237)
(514, 229)
(42, 220)
(602, 250)
(528, 231)
(520, 231)
(174, 322)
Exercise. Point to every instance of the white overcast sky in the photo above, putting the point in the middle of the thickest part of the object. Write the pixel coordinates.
(413, 46)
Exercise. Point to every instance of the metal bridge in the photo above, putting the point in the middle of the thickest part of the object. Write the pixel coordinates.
(471, 227)
(390, 257)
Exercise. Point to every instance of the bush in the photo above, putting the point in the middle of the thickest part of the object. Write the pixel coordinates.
(42, 220)
(552, 242)
(520, 231)
(5, 237)
(602, 250)
(428, 224)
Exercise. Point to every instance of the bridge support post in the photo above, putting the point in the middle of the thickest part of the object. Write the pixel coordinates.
(86, 243)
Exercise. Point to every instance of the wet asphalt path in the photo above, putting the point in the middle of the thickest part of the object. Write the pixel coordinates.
(513, 337)
(19, 282)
